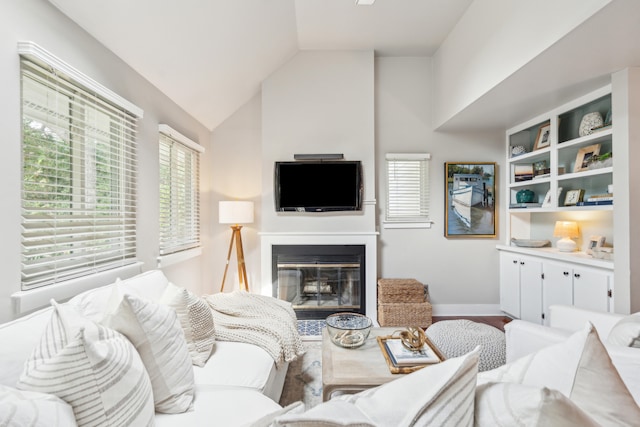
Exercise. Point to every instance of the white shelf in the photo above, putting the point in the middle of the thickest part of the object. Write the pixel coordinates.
(585, 174)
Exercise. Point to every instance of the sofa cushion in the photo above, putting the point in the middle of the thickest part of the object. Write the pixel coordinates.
(155, 332)
(196, 320)
(510, 404)
(23, 334)
(94, 369)
(626, 332)
(221, 406)
(573, 367)
(149, 285)
(441, 394)
(29, 408)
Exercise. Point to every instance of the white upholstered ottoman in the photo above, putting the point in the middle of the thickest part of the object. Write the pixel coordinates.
(457, 337)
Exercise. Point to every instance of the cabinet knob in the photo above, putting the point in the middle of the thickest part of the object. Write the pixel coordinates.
(521, 262)
(515, 261)
(566, 273)
(576, 275)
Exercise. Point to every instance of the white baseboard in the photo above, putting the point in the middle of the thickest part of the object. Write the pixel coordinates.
(466, 310)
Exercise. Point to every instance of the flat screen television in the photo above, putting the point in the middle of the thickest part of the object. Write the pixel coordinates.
(318, 186)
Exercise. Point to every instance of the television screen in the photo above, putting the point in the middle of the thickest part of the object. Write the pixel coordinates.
(318, 186)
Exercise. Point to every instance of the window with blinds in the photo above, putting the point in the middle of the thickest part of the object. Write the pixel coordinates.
(407, 189)
(78, 178)
(179, 192)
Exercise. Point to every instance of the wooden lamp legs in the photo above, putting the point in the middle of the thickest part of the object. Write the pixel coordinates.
(242, 270)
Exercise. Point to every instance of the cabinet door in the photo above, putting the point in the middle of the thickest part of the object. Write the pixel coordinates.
(557, 286)
(591, 289)
(531, 290)
(510, 284)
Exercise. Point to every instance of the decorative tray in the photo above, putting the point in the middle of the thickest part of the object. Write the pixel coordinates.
(529, 243)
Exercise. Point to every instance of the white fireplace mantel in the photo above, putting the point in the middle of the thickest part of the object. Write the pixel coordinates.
(368, 239)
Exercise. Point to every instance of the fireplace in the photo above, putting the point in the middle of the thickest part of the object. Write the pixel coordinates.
(319, 280)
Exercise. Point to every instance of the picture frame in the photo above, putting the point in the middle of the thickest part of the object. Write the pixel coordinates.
(543, 139)
(595, 242)
(573, 197)
(470, 199)
(584, 155)
(523, 172)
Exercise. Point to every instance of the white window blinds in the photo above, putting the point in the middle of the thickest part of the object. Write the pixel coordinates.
(78, 177)
(179, 192)
(407, 188)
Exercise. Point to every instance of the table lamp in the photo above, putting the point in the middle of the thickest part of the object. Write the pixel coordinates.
(236, 213)
(567, 230)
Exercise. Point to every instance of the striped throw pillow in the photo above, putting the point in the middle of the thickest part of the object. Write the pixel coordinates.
(196, 320)
(94, 369)
(155, 332)
(30, 408)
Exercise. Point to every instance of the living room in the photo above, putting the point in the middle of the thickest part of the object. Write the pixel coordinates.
(493, 70)
(358, 103)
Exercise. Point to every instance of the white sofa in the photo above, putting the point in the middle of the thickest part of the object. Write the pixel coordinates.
(524, 338)
(239, 384)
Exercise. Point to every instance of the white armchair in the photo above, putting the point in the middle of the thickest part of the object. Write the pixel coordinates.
(525, 337)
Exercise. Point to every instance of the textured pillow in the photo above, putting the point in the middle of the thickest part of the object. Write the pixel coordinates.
(94, 369)
(626, 332)
(155, 332)
(579, 368)
(269, 420)
(196, 320)
(30, 408)
(437, 395)
(509, 404)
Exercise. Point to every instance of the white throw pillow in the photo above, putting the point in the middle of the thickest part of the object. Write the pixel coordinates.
(626, 332)
(510, 404)
(269, 420)
(196, 320)
(94, 369)
(155, 332)
(29, 408)
(436, 395)
(580, 368)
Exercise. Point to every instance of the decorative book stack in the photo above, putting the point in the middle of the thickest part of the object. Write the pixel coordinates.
(597, 199)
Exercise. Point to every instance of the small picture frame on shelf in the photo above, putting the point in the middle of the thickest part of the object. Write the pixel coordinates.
(523, 172)
(573, 197)
(584, 157)
(543, 139)
(594, 243)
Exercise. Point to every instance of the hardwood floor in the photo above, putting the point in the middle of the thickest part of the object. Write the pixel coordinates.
(495, 321)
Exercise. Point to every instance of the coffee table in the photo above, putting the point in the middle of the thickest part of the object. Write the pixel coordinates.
(354, 369)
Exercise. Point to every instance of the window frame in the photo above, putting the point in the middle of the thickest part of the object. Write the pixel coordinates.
(422, 206)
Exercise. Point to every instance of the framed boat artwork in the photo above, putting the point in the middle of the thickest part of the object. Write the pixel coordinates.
(470, 204)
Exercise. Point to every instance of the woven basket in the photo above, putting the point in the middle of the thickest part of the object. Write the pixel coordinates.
(405, 314)
(400, 290)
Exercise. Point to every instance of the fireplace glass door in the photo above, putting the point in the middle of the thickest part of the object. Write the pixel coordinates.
(320, 280)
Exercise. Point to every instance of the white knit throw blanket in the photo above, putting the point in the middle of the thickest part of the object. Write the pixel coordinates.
(257, 319)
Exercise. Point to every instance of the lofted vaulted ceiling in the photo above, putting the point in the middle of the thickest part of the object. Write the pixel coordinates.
(211, 56)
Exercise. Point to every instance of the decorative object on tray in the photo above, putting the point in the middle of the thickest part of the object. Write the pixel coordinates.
(400, 359)
(589, 122)
(543, 139)
(583, 158)
(517, 150)
(573, 197)
(567, 230)
(348, 330)
(525, 196)
(530, 243)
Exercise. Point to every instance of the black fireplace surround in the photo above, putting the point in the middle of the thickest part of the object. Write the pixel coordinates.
(319, 280)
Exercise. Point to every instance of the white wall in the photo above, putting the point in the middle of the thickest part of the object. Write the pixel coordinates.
(237, 169)
(319, 102)
(462, 274)
(38, 21)
(493, 40)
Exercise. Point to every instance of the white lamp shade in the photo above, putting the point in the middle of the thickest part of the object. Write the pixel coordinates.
(235, 212)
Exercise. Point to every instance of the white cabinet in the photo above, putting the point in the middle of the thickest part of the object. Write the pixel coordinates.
(531, 282)
(521, 286)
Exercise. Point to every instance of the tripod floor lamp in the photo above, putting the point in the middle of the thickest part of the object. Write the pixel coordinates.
(236, 213)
